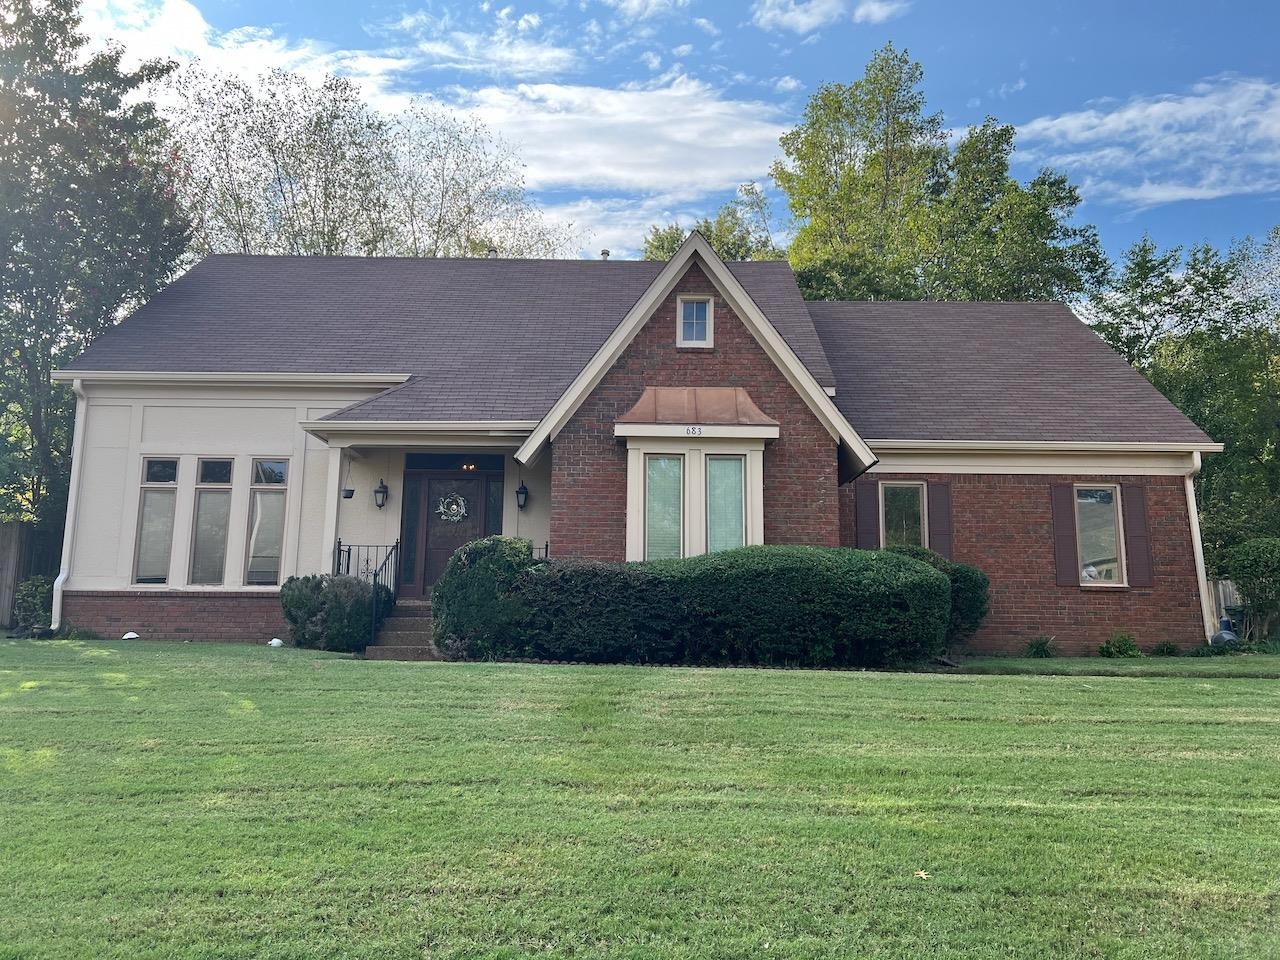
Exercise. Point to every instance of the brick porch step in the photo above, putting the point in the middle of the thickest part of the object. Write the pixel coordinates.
(406, 634)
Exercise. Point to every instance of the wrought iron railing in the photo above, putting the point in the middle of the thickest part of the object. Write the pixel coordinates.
(377, 563)
(542, 552)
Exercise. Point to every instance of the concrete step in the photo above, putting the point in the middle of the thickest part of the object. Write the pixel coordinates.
(397, 625)
(410, 651)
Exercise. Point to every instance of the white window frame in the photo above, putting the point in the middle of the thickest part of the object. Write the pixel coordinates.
(706, 491)
(1122, 559)
(199, 486)
(282, 488)
(143, 487)
(710, 342)
(924, 507)
(694, 515)
(684, 513)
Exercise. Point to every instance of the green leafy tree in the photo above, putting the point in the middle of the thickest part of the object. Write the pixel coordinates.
(89, 226)
(885, 209)
(739, 230)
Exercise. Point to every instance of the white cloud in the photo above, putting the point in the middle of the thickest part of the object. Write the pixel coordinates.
(798, 16)
(502, 51)
(644, 9)
(1009, 89)
(878, 11)
(706, 26)
(1222, 138)
(683, 50)
(787, 84)
(651, 60)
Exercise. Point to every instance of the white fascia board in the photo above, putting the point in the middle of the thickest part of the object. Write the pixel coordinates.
(712, 431)
(420, 426)
(778, 350)
(232, 377)
(1047, 446)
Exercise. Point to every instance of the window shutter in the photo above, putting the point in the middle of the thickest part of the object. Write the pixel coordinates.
(1137, 535)
(939, 518)
(867, 514)
(1065, 556)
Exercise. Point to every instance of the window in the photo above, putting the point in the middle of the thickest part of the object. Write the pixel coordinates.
(694, 318)
(266, 521)
(663, 513)
(903, 518)
(1098, 539)
(155, 520)
(726, 502)
(212, 522)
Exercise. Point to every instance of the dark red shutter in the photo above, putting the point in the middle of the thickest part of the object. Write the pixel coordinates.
(1137, 536)
(1065, 556)
(867, 513)
(939, 518)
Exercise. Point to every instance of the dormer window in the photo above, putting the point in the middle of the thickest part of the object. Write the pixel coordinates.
(694, 322)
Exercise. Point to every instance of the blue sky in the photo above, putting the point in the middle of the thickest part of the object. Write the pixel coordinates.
(630, 112)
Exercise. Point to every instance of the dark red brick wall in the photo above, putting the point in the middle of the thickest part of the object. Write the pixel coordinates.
(242, 617)
(1003, 525)
(589, 465)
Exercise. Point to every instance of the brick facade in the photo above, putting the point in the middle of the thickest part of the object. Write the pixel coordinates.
(1003, 525)
(244, 617)
(589, 465)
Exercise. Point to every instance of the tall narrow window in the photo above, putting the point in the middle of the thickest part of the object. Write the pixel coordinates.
(695, 329)
(902, 520)
(726, 517)
(1098, 535)
(663, 514)
(212, 521)
(266, 521)
(155, 521)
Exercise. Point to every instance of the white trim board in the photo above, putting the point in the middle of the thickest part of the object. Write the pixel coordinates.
(696, 249)
(232, 377)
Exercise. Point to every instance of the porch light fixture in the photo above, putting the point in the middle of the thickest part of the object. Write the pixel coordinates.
(522, 496)
(380, 494)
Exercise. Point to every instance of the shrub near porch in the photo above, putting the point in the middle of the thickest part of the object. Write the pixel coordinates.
(769, 605)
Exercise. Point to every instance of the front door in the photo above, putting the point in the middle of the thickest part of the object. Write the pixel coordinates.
(442, 511)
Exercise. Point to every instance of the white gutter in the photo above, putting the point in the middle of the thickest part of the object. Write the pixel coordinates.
(73, 499)
(232, 376)
(1047, 446)
(418, 426)
(1197, 548)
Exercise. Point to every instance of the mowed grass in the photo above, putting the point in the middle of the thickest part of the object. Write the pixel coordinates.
(216, 801)
(1247, 666)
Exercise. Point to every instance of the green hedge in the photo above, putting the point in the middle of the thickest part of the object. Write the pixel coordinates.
(970, 592)
(773, 605)
(332, 612)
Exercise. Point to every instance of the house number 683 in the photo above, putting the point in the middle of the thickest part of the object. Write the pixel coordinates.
(693, 431)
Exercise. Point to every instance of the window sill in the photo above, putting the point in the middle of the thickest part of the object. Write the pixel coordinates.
(1104, 586)
(695, 346)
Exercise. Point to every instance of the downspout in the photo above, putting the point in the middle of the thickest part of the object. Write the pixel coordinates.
(73, 500)
(1197, 548)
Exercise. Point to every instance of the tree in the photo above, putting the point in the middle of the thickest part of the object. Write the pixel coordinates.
(886, 209)
(89, 226)
(739, 231)
(281, 166)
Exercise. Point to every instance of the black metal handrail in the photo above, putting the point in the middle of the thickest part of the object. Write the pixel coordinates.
(379, 564)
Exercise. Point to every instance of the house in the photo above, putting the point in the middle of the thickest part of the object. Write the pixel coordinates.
(270, 416)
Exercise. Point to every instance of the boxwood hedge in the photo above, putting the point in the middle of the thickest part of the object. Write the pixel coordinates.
(970, 591)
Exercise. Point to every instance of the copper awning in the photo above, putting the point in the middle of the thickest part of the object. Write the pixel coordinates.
(708, 406)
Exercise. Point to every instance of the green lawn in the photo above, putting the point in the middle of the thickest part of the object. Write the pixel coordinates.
(217, 801)
(1254, 666)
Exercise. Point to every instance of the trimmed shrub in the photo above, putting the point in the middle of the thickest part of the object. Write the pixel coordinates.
(599, 613)
(809, 606)
(332, 612)
(33, 603)
(970, 591)
(1120, 646)
(1166, 648)
(1039, 648)
(476, 610)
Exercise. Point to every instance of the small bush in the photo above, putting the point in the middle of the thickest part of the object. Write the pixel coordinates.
(332, 612)
(476, 610)
(33, 603)
(1039, 648)
(1166, 648)
(970, 591)
(1120, 646)
(1211, 650)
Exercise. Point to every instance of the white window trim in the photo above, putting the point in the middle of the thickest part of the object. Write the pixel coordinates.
(1123, 582)
(924, 507)
(706, 344)
(143, 487)
(694, 515)
(282, 488)
(195, 513)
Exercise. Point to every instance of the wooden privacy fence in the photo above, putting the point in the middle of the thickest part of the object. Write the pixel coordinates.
(15, 561)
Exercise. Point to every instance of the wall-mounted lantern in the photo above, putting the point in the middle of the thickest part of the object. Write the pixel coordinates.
(380, 494)
(522, 496)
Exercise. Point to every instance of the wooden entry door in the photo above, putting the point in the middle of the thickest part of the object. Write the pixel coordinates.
(442, 511)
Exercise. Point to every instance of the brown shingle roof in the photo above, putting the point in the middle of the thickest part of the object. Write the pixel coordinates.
(484, 339)
(987, 371)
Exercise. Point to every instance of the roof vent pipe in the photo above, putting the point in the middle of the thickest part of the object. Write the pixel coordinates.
(493, 253)
(604, 254)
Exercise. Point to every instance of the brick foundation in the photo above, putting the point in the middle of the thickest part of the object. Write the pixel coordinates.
(1003, 525)
(589, 465)
(241, 617)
